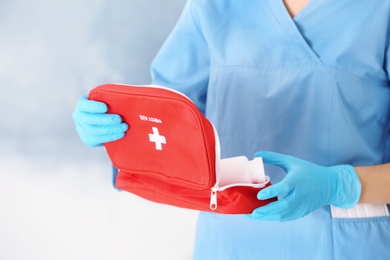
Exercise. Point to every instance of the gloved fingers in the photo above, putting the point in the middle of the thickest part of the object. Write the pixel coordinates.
(102, 130)
(110, 138)
(280, 217)
(90, 106)
(286, 209)
(279, 189)
(96, 141)
(272, 208)
(277, 159)
(99, 119)
(273, 211)
(273, 217)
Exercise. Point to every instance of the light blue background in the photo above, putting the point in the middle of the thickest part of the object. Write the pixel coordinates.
(56, 198)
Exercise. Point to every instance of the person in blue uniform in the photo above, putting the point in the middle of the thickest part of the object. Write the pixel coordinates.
(304, 85)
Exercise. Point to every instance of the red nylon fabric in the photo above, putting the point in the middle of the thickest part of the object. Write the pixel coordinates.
(168, 154)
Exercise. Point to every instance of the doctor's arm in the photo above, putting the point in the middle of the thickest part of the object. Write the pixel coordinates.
(308, 186)
(375, 181)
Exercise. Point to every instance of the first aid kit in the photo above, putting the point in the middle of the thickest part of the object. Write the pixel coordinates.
(171, 153)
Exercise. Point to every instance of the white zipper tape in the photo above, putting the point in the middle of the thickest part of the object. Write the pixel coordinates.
(216, 189)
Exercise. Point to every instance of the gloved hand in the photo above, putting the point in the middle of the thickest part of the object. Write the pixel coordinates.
(94, 125)
(305, 188)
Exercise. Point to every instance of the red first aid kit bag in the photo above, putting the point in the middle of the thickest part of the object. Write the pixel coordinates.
(170, 154)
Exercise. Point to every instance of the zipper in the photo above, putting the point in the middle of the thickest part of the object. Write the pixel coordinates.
(213, 198)
(215, 189)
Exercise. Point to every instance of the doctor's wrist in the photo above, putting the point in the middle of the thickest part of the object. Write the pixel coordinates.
(348, 187)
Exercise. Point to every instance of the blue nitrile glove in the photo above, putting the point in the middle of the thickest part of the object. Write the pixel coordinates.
(94, 125)
(306, 187)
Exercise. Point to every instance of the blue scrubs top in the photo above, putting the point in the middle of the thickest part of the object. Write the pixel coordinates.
(315, 87)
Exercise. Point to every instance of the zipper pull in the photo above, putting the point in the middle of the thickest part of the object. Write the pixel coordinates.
(213, 198)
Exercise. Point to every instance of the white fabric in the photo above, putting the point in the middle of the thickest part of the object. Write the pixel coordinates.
(361, 211)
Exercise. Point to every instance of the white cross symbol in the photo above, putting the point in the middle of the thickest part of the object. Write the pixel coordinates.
(157, 138)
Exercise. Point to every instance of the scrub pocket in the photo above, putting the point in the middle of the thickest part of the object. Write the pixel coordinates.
(361, 238)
